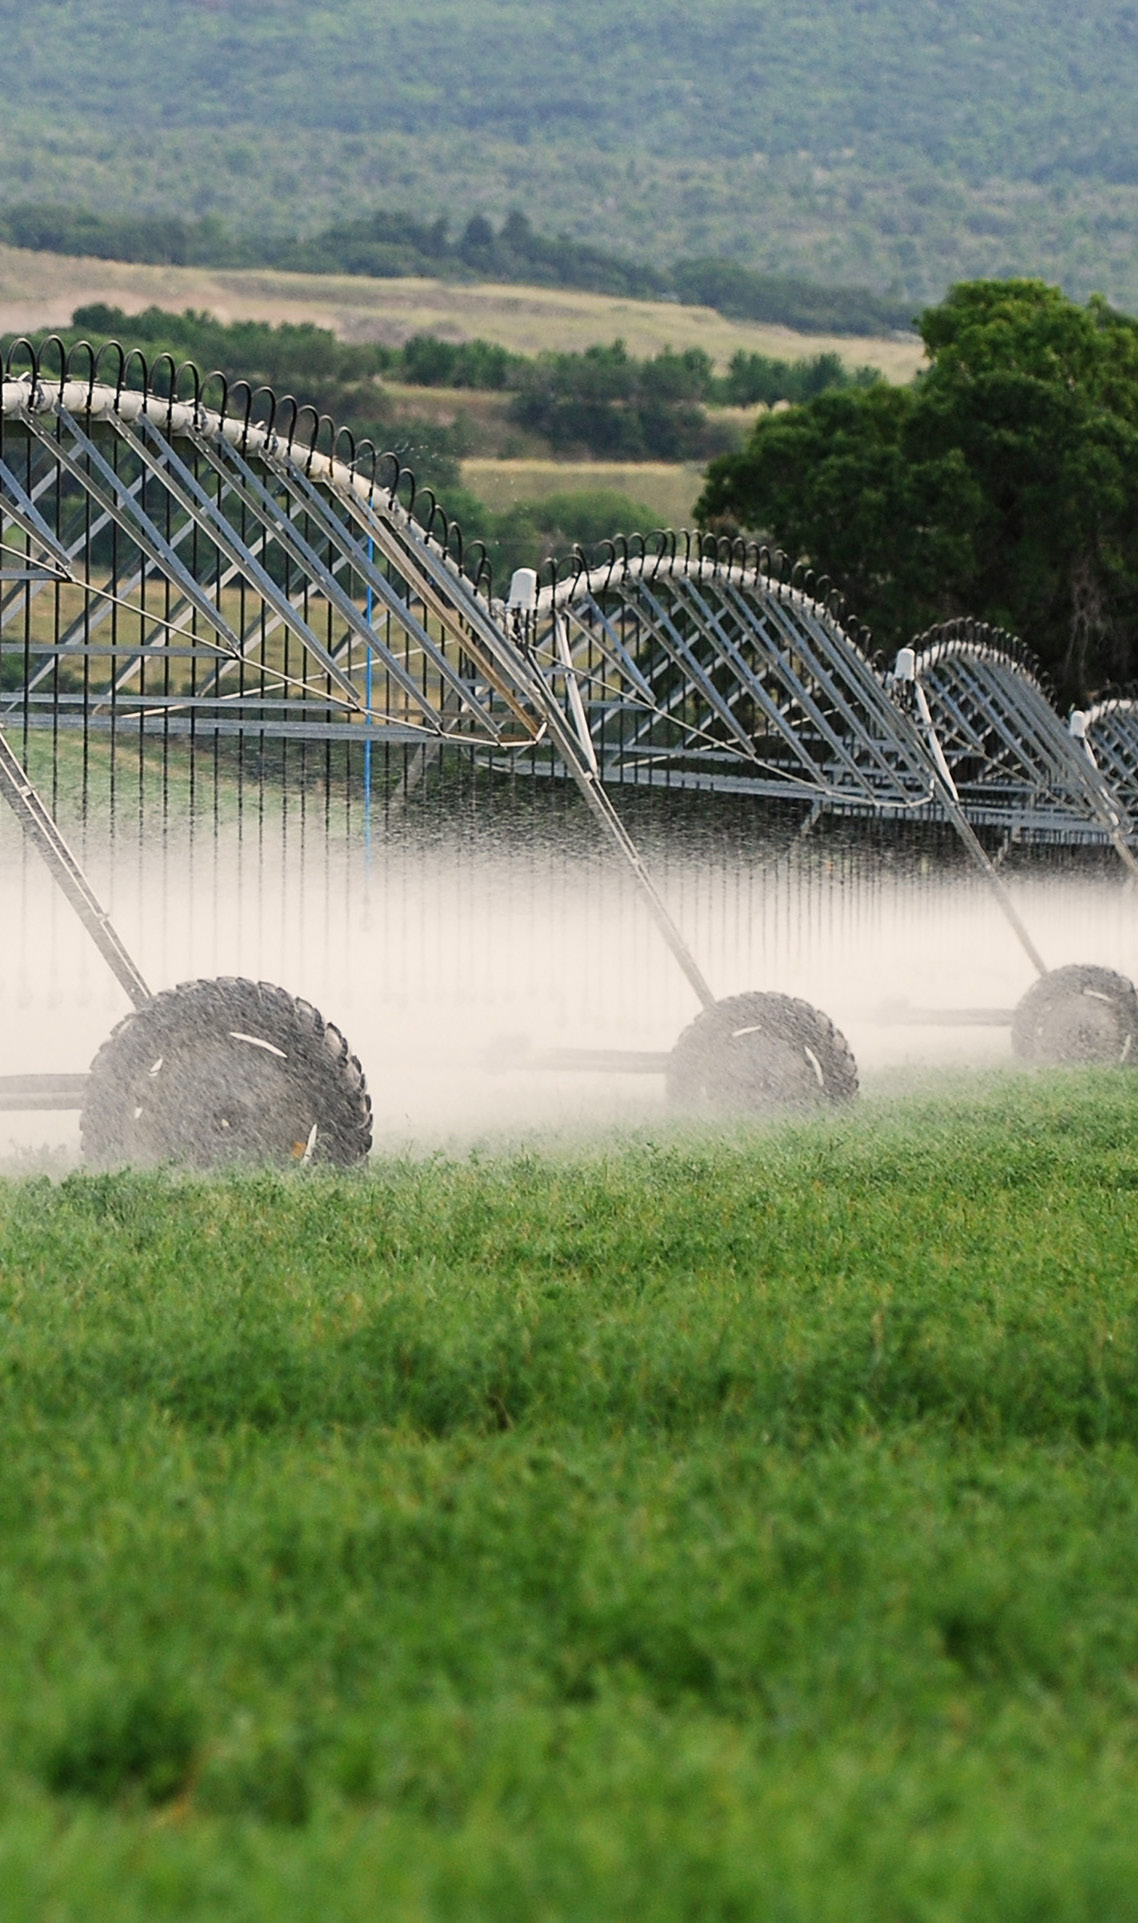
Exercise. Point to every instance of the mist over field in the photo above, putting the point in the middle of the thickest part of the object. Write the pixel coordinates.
(455, 969)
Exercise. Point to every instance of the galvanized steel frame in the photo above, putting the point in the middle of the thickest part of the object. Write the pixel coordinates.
(303, 594)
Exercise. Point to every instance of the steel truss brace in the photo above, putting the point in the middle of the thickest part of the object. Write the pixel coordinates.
(155, 642)
(104, 486)
(182, 485)
(675, 646)
(309, 498)
(817, 646)
(510, 669)
(648, 706)
(688, 594)
(1059, 757)
(785, 641)
(19, 507)
(978, 710)
(85, 624)
(449, 598)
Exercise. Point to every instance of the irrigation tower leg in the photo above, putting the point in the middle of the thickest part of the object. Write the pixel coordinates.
(984, 863)
(39, 827)
(614, 830)
(579, 758)
(946, 787)
(1103, 802)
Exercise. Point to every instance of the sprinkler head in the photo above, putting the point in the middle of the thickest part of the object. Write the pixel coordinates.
(523, 590)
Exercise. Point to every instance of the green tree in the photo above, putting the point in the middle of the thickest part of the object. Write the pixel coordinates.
(1003, 483)
(607, 403)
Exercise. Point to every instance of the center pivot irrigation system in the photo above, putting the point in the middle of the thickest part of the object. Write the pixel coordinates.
(203, 568)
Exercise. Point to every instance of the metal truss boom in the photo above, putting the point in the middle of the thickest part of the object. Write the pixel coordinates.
(172, 568)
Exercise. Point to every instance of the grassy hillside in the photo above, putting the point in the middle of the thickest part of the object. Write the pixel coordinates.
(737, 1527)
(393, 246)
(42, 290)
(900, 145)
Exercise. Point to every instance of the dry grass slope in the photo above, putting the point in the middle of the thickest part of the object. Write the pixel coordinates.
(40, 291)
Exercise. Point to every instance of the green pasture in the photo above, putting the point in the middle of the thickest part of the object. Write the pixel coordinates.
(731, 1526)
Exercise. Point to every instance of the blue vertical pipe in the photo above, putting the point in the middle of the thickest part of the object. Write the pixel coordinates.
(367, 717)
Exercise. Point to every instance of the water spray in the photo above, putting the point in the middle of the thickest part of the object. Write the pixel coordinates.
(213, 576)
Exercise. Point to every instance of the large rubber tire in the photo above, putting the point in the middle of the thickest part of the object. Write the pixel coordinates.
(752, 1053)
(217, 1072)
(1078, 1014)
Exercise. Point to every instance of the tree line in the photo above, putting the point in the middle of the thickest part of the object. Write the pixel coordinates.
(603, 403)
(611, 373)
(393, 246)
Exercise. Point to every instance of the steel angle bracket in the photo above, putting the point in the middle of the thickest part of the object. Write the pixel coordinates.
(19, 507)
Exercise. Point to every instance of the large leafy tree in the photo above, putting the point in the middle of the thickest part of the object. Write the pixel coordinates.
(1003, 483)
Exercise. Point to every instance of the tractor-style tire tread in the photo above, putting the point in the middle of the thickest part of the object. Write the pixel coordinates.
(1078, 1014)
(122, 1118)
(708, 1070)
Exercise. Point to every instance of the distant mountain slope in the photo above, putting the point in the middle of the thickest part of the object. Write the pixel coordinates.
(895, 142)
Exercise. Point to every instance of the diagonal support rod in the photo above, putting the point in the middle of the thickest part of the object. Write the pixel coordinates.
(39, 826)
(950, 799)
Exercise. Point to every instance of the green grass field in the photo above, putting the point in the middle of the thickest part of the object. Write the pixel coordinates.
(728, 1527)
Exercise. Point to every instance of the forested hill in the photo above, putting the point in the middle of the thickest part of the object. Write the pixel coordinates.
(895, 143)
